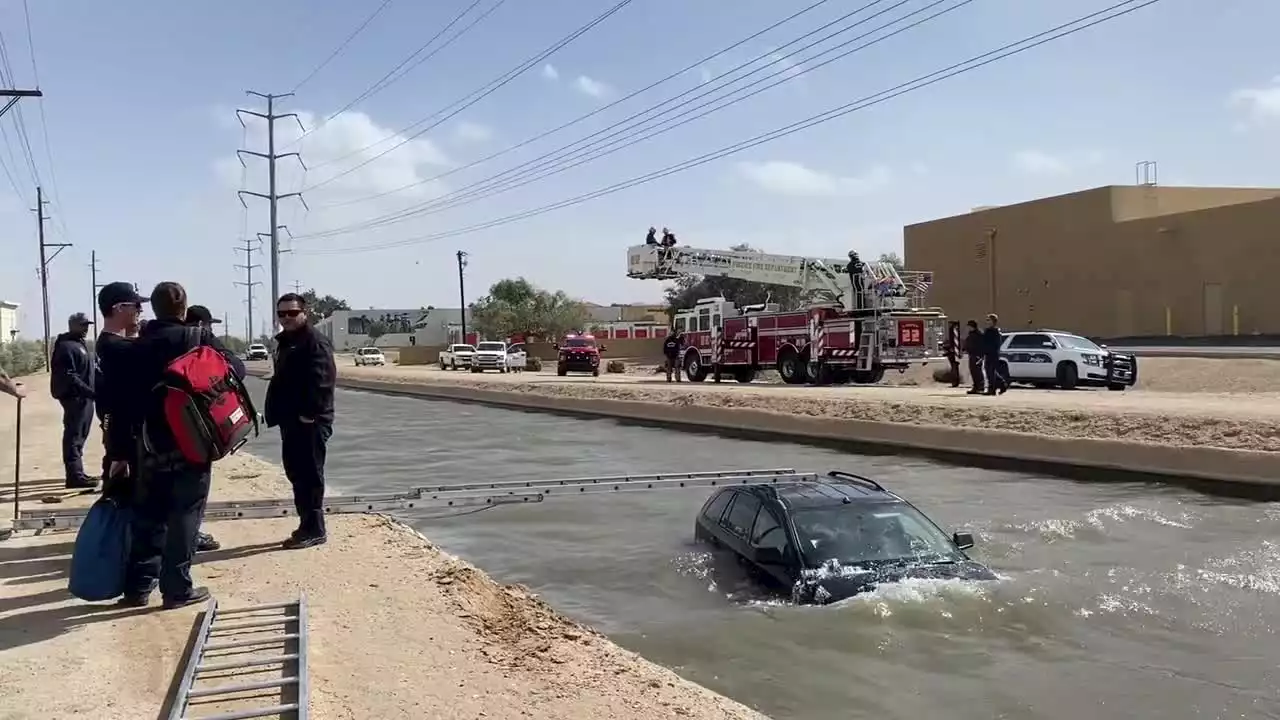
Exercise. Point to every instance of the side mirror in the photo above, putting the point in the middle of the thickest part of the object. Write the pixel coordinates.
(963, 540)
(768, 556)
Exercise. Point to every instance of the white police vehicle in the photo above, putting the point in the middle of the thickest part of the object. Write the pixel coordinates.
(1054, 358)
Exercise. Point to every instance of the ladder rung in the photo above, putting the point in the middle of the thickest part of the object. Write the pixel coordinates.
(212, 667)
(246, 714)
(250, 643)
(267, 622)
(244, 687)
(251, 608)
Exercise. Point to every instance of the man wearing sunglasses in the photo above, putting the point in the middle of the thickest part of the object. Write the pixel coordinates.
(121, 308)
(300, 402)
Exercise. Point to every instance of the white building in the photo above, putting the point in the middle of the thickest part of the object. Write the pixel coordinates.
(8, 321)
(349, 329)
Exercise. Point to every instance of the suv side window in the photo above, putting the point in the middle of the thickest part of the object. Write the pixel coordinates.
(1031, 341)
(767, 532)
(714, 509)
(742, 514)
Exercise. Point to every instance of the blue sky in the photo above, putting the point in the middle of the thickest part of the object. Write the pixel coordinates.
(140, 101)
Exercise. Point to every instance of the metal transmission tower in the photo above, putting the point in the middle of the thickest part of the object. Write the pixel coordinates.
(45, 259)
(249, 282)
(271, 196)
(94, 286)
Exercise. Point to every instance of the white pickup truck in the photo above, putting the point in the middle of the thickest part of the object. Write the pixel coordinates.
(456, 356)
(495, 355)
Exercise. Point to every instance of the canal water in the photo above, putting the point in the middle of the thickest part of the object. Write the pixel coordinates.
(1118, 600)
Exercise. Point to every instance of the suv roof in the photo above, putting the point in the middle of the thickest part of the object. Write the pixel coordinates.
(836, 488)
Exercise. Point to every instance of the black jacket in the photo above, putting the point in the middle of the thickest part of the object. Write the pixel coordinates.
(72, 369)
(136, 368)
(973, 344)
(672, 345)
(112, 353)
(303, 379)
(991, 341)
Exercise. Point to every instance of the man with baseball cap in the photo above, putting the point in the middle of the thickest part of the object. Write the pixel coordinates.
(121, 308)
(72, 381)
(200, 315)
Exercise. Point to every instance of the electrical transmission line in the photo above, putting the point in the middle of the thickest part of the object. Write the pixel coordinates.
(475, 97)
(568, 157)
(341, 46)
(1017, 47)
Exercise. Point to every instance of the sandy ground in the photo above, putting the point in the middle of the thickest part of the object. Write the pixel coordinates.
(1245, 419)
(398, 628)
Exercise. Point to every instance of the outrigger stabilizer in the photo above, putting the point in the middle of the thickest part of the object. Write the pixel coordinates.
(459, 496)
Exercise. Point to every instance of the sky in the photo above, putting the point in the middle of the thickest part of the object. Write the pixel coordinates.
(135, 141)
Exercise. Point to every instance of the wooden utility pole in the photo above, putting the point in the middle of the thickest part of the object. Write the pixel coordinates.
(93, 284)
(462, 294)
(45, 259)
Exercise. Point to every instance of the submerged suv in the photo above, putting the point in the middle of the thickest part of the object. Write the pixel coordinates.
(829, 539)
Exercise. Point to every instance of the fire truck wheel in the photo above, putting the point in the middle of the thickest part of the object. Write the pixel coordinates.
(744, 375)
(693, 367)
(869, 377)
(789, 367)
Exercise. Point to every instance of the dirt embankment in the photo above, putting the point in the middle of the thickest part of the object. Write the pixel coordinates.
(1185, 415)
(398, 628)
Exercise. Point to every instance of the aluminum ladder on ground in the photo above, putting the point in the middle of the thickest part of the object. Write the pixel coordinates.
(456, 496)
(230, 635)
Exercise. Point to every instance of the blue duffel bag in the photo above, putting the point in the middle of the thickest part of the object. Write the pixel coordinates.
(101, 553)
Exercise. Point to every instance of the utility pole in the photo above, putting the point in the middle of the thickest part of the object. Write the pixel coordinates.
(93, 275)
(297, 287)
(45, 259)
(462, 293)
(249, 282)
(271, 196)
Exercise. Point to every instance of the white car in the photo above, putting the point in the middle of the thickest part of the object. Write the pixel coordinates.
(1053, 358)
(370, 356)
(489, 355)
(257, 351)
(517, 358)
(456, 355)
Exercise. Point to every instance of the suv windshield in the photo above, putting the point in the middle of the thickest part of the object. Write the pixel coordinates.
(491, 347)
(1075, 342)
(881, 532)
(578, 343)
(371, 351)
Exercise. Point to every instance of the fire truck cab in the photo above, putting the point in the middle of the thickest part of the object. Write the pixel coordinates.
(578, 352)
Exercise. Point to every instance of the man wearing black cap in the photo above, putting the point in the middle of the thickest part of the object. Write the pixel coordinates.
(72, 371)
(121, 308)
(199, 316)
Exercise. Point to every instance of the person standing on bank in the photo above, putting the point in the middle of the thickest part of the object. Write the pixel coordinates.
(199, 316)
(951, 346)
(300, 402)
(992, 339)
(973, 347)
(73, 370)
(121, 308)
(172, 492)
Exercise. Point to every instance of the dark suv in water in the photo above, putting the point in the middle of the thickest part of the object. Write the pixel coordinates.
(829, 539)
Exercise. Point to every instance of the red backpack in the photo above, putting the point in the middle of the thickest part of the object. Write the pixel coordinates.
(206, 407)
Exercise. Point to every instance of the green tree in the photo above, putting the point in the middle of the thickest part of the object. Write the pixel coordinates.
(376, 329)
(516, 306)
(689, 289)
(322, 306)
(893, 259)
(22, 357)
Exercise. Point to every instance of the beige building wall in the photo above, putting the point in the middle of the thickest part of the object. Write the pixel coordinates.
(8, 321)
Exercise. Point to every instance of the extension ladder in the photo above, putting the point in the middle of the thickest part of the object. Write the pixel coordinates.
(224, 643)
(466, 495)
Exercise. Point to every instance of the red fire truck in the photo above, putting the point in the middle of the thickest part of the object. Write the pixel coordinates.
(850, 330)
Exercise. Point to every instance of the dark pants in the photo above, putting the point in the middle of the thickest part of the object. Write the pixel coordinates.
(672, 367)
(975, 372)
(302, 452)
(995, 379)
(77, 419)
(954, 362)
(166, 519)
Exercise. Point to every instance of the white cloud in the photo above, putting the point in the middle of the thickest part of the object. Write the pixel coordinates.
(550, 72)
(1039, 162)
(470, 132)
(796, 180)
(594, 88)
(1260, 105)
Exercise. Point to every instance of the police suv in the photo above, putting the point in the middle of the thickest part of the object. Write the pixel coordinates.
(1053, 358)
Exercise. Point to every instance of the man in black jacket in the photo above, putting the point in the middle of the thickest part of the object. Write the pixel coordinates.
(973, 347)
(73, 370)
(121, 308)
(992, 339)
(300, 402)
(671, 348)
(172, 492)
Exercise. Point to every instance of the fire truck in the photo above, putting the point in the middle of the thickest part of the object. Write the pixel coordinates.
(852, 329)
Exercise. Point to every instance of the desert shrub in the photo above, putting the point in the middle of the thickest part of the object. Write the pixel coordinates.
(533, 364)
(615, 366)
(22, 357)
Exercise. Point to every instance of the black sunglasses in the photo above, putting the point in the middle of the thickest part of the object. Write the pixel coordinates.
(288, 313)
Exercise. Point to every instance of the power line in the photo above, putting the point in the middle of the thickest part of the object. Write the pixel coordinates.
(511, 148)
(382, 82)
(1072, 27)
(469, 100)
(558, 160)
(341, 46)
(44, 122)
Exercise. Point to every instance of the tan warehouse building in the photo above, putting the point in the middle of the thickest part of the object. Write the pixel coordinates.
(1115, 261)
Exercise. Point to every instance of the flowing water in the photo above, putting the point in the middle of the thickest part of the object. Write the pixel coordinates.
(1118, 600)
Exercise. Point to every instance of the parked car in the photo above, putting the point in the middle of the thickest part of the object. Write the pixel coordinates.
(827, 540)
(457, 355)
(517, 357)
(370, 356)
(257, 351)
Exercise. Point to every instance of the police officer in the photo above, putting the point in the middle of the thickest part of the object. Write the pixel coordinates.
(973, 347)
(992, 339)
(73, 370)
(671, 348)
